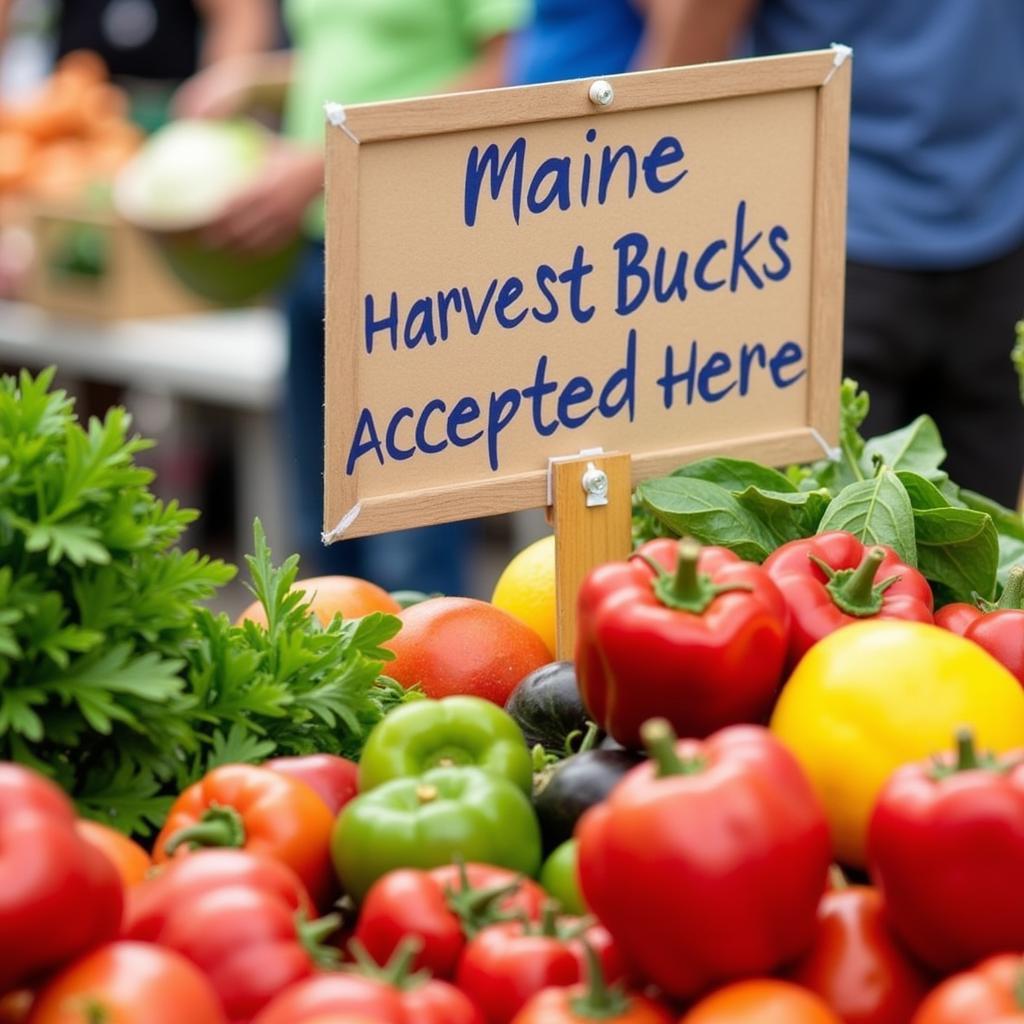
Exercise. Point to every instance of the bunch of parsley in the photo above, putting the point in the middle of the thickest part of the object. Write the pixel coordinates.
(115, 680)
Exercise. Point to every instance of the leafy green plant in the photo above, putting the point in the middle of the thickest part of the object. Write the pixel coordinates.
(114, 678)
(888, 490)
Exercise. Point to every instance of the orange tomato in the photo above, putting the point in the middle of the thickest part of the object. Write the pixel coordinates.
(259, 810)
(761, 1001)
(130, 859)
(452, 645)
(347, 596)
(127, 983)
(981, 995)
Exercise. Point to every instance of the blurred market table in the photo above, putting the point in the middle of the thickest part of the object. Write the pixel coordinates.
(233, 360)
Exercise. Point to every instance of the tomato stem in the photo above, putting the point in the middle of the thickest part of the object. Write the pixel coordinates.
(659, 739)
(219, 826)
(966, 753)
(314, 934)
(600, 1001)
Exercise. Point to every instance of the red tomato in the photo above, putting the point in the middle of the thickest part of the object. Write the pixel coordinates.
(130, 859)
(440, 907)
(335, 994)
(507, 964)
(855, 964)
(128, 983)
(335, 779)
(562, 1006)
(987, 993)
(240, 805)
(452, 645)
(761, 1001)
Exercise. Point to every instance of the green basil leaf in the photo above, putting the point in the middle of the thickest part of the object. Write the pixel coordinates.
(789, 516)
(878, 511)
(923, 493)
(1009, 526)
(735, 474)
(701, 509)
(916, 447)
(959, 548)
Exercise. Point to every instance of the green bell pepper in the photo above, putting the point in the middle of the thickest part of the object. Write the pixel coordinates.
(452, 732)
(430, 820)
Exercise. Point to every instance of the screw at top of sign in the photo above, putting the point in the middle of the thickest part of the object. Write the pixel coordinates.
(595, 484)
(601, 93)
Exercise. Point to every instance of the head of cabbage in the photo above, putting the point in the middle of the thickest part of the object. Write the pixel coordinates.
(187, 172)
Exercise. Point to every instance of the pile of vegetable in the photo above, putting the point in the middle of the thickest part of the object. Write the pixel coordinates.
(782, 779)
(114, 680)
(75, 131)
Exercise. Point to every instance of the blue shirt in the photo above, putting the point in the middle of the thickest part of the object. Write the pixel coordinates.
(576, 39)
(937, 124)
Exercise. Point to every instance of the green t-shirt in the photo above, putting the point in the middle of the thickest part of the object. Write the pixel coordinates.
(362, 51)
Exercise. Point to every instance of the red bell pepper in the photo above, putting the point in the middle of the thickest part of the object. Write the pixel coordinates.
(946, 846)
(507, 964)
(444, 907)
(242, 806)
(998, 628)
(856, 965)
(240, 919)
(61, 895)
(829, 581)
(390, 994)
(335, 779)
(707, 863)
(688, 633)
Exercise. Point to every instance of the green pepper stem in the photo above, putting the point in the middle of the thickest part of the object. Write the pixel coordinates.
(686, 590)
(426, 794)
(659, 739)
(1013, 593)
(600, 1001)
(854, 591)
(219, 826)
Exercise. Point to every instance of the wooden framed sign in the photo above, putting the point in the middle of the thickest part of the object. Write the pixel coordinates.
(651, 264)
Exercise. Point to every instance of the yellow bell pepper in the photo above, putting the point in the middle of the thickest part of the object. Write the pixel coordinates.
(876, 695)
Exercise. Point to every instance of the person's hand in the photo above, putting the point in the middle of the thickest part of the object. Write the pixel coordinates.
(218, 91)
(268, 214)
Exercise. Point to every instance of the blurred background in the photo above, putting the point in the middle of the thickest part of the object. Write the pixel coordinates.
(161, 220)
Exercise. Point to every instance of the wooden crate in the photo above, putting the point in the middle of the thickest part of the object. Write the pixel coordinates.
(92, 264)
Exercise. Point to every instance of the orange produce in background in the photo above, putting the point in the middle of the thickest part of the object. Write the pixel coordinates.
(74, 131)
(453, 645)
(990, 992)
(130, 859)
(761, 1001)
(347, 596)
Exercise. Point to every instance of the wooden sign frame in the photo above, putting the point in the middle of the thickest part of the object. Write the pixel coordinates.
(827, 72)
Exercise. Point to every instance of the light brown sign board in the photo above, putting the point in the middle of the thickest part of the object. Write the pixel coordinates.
(521, 274)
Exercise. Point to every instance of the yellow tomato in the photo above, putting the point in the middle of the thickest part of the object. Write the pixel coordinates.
(879, 694)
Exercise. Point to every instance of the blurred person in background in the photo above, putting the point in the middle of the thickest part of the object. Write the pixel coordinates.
(349, 51)
(151, 46)
(935, 234)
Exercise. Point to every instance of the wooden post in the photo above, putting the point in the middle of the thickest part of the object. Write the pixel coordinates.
(586, 535)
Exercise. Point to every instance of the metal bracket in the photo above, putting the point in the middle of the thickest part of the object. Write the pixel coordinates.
(590, 466)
